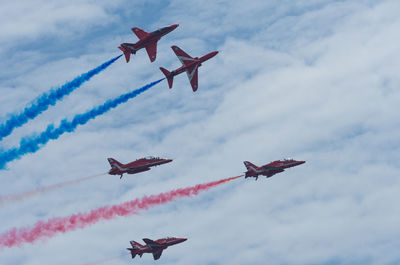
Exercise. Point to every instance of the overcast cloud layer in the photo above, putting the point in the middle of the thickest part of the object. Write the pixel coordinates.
(313, 80)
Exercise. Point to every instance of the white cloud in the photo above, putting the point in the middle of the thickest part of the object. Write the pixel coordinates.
(27, 20)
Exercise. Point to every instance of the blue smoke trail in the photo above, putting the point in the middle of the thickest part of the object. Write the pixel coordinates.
(42, 102)
(34, 143)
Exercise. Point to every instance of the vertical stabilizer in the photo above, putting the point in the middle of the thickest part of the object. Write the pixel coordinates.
(114, 163)
(250, 166)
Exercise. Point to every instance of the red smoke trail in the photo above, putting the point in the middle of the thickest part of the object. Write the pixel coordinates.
(49, 228)
(28, 194)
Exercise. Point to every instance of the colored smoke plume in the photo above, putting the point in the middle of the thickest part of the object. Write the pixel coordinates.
(28, 194)
(33, 143)
(42, 102)
(51, 227)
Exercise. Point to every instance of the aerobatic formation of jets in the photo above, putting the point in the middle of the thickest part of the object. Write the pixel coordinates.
(190, 65)
(149, 41)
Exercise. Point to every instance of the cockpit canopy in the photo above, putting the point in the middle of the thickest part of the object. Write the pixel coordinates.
(150, 157)
(288, 159)
(161, 30)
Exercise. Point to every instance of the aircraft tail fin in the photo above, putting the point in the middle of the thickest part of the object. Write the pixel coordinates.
(170, 78)
(113, 162)
(250, 166)
(126, 53)
(135, 249)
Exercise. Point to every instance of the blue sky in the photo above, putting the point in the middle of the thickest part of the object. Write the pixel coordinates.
(313, 80)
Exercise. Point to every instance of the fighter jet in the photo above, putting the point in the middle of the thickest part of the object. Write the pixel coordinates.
(270, 169)
(137, 166)
(146, 40)
(155, 247)
(190, 65)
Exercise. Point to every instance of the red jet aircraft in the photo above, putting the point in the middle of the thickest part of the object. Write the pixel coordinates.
(270, 169)
(155, 247)
(137, 166)
(190, 65)
(146, 40)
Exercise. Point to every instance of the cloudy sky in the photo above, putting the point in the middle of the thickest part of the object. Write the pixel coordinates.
(313, 80)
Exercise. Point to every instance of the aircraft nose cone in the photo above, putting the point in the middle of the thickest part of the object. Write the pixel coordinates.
(212, 54)
(174, 26)
(182, 240)
(300, 162)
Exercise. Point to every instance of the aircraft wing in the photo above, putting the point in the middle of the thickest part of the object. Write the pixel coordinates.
(152, 51)
(192, 74)
(152, 244)
(140, 33)
(157, 254)
(182, 56)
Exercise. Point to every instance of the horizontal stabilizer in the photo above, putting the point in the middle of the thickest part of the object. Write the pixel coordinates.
(126, 53)
(133, 252)
(168, 75)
